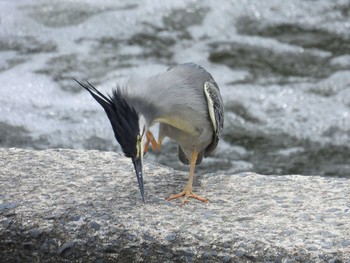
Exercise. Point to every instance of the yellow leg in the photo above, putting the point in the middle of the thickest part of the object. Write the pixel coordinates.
(187, 192)
(151, 140)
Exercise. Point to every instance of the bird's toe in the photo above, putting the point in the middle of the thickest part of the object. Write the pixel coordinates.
(187, 194)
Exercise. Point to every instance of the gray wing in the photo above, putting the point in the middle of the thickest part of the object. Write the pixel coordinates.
(216, 114)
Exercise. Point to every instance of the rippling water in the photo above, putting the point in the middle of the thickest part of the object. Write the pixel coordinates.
(283, 68)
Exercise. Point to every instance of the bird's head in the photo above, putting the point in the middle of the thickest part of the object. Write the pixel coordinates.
(129, 127)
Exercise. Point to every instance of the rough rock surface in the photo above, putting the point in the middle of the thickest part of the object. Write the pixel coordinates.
(85, 206)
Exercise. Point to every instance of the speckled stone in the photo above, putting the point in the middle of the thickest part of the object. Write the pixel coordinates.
(95, 226)
(77, 205)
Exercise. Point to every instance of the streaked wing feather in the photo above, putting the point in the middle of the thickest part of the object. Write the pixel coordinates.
(216, 114)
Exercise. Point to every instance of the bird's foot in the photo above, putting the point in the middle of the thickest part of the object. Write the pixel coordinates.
(187, 193)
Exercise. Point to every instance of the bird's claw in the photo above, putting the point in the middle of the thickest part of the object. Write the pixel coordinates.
(187, 194)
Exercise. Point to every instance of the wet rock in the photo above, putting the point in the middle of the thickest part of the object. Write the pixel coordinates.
(250, 217)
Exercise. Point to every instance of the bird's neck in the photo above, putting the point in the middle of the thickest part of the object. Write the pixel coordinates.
(145, 109)
(143, 124)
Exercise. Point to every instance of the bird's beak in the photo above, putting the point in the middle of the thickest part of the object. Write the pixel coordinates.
(137, 161)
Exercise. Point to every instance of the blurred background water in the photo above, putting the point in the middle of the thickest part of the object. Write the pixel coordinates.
(283, 68)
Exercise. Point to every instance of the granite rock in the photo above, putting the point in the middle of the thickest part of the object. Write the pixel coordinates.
(85, 206)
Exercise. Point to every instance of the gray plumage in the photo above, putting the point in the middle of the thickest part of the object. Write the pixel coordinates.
(177, 100)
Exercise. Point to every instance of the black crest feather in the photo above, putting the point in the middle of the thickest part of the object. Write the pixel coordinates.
(123, 117)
